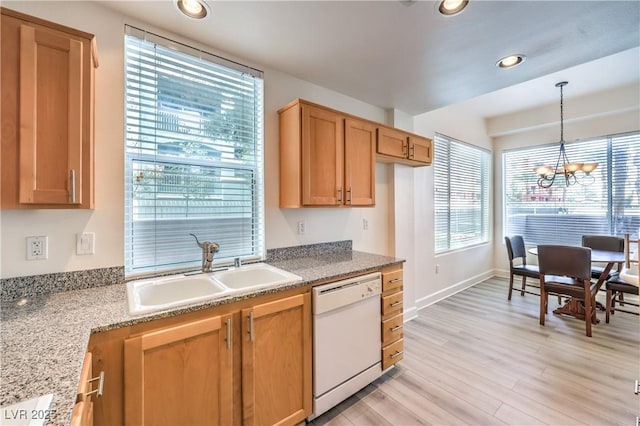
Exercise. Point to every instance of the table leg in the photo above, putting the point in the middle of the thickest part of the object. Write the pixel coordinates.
(575, 307)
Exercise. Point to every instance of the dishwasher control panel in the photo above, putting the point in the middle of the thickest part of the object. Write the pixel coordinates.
(342, 293)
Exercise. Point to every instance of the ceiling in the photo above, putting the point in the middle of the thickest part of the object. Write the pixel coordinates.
(405, 55)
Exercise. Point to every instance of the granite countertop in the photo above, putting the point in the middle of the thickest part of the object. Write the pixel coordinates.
(44, 338)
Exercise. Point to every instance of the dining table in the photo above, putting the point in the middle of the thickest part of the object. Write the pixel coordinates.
(575, 307)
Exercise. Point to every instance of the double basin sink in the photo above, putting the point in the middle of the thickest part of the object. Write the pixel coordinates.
(156, 294)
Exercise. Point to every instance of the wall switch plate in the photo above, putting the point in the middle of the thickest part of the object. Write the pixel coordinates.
(85, 243)
(37, 248)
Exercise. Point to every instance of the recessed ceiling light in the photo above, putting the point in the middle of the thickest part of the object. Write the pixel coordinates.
(452, 7)
(511, 61)
(196, 9)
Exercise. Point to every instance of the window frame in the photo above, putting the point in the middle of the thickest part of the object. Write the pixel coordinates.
(209, 168)
(606, 171)
(484, 190)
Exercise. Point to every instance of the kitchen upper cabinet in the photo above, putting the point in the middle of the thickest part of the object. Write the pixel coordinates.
(47, 114)
(360, 163)
(181, 375)
(326, 158)
(397, 146)
(276, 362)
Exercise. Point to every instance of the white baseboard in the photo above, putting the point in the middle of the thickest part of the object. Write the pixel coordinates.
(450, 291)
(501, 273)
(410, 313)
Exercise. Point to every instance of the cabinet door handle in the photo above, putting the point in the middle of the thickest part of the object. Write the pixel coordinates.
(72, 191)
(394, 304)
(396, 354)
(396, 328)
(395, 280)
(100, 389)
(251, 326)
(339, 195)
(412, 154)
(228, 338)
(637, 387)
(349, 195)
(405, 148)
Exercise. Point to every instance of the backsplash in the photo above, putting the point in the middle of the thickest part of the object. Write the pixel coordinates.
(34, 285)
(287, 253)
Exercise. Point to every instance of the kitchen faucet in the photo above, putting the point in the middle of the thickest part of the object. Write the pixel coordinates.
(209, 249)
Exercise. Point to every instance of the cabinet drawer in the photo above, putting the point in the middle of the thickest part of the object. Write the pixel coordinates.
(392, 354)
(391, 281)
(392, 305)
(392, 329)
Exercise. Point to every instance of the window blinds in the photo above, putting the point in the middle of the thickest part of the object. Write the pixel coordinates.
(461, 177)
(194, 156)
(609, 204)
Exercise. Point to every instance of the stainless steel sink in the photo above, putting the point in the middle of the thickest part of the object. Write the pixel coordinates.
(150, 295)
(254, 276)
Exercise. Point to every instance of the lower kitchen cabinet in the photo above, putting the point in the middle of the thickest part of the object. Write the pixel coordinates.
(83, 410)
(392, 316)
(181, 375)
(276, 362)
(246, 362)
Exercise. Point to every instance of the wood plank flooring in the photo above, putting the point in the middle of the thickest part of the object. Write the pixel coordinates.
(478, 359)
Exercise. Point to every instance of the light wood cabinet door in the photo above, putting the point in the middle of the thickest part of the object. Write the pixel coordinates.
(360, 162)
(322, 157)
(82, 414)
(420, 149)
(47, 114)
(181, 375)
(392, 142)
(276, 362)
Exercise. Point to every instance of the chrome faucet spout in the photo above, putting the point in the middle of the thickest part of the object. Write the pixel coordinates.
(209, 249)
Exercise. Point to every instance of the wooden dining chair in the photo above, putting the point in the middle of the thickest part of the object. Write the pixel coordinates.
(617, 287)
(518, 265)
(606, 243)
(566, 270)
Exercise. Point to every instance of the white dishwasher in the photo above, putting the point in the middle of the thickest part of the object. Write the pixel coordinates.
(346, 339)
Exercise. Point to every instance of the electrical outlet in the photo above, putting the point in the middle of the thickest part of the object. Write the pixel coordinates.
(37, 248)
(301, 227)
(365, 224)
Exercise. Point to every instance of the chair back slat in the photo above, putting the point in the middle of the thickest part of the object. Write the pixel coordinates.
(603, 242)
(565, 260)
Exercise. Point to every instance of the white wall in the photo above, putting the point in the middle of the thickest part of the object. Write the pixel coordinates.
(458, 269)
(107, 220)
(597, 114)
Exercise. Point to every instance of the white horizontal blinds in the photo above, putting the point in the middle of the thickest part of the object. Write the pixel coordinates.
(625, 184)
(194, 156)
(461, 175)
(604, 204)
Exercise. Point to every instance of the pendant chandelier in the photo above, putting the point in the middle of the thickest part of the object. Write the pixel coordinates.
(547, 174)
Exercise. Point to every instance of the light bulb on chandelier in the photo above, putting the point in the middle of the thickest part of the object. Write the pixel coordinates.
(547, 174)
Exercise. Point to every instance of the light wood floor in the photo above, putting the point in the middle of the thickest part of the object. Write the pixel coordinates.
(477, 359)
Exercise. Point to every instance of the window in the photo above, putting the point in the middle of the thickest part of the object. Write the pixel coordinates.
(608, 205)
(461, 175)
(194, 155)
